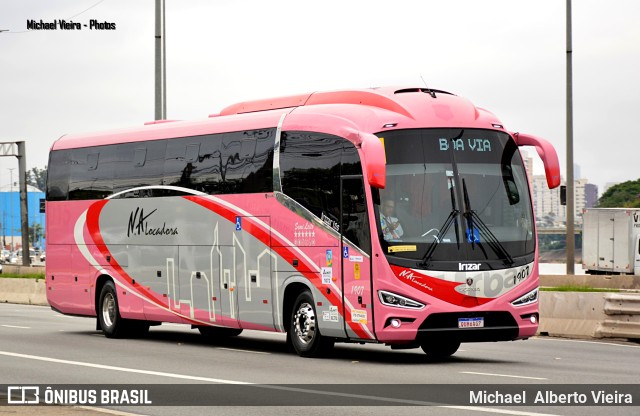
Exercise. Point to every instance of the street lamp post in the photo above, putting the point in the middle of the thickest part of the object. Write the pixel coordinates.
(570, 184)
(161, 65)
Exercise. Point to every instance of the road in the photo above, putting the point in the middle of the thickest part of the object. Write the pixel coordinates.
(39, 346)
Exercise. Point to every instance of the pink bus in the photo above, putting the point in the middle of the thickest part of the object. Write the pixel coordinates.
(396, 216)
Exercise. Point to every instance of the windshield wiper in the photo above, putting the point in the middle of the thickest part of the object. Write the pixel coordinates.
(451, 219)
(492, 240)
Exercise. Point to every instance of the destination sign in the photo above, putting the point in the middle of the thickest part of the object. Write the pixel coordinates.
(465, 145)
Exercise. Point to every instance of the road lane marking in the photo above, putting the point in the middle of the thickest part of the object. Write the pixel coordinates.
(106, 411)
(499, 411)
(293, 389)
(502, 375)
(234, 349)
(16, 326)
(585, 342)
(123, 369)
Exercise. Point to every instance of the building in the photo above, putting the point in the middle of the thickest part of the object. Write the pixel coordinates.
(528, 165)
(550, 212)
(591, 195)
(10, 226)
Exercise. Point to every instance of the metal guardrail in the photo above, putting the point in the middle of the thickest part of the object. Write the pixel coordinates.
(623, 316)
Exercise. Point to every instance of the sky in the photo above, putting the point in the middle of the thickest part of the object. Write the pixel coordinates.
(508, 56)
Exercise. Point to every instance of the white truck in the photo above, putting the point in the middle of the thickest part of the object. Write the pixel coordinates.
(611, 241)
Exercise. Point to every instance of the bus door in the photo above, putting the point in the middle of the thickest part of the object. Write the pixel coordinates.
(356, 260)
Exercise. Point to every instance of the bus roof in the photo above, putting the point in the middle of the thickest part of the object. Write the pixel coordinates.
(343, 113)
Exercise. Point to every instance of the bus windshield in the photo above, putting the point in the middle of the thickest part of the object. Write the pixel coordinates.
(454, 195)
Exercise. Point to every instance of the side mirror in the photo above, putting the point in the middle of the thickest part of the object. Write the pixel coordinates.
(374, 160)
(547, 153)
(510, 185)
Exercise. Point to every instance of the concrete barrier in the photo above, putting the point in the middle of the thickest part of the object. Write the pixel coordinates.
(20, 269)
(571, 314)
(590, 315)
(27, 291)
(623, 316)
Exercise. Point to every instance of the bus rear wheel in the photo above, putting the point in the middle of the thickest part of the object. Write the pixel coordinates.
(304, 334)
(113, 325)
(440, 349)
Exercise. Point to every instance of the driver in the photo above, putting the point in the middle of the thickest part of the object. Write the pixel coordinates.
(391, 227)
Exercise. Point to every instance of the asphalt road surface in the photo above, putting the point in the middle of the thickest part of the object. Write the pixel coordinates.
(40, 346)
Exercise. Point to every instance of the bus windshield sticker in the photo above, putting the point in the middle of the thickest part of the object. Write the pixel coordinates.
(398, 249)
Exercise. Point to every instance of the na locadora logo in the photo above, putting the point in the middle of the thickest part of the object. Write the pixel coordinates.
(62, 24)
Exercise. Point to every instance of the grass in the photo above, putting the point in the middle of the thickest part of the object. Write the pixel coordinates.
(577, 289)
(22, 276)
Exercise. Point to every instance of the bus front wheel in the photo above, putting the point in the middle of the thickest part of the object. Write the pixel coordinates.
(304, 334)
(440, 349)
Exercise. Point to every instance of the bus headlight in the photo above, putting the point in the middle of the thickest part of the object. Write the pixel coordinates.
(391, 299)
(527, 298)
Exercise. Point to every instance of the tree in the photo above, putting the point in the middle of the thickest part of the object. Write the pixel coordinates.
(37, 177)
(622, 195)
(36, 233)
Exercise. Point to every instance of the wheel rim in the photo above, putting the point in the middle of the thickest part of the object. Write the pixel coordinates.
(305, 323)
(109, 309)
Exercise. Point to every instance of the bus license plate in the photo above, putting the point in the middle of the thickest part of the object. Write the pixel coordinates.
(470, 322)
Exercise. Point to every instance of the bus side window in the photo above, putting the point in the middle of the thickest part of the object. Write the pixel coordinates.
(139, 164)
(175, 162)
(91, 173)
(258, 173)
(355, 222)
(58, 175)
(310, 169)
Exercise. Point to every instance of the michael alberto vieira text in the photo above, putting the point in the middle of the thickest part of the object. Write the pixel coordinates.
(68, 25)
(546, 397)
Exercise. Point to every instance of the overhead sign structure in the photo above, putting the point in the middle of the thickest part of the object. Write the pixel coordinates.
(17, 149)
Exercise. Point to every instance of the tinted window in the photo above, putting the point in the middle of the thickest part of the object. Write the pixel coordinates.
(91, 172)
(258, 173)
(355, 222)
(310, 169)
(178, 169)
(247, 162)
(58, 175)
(239, 162)
(139, 164)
